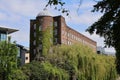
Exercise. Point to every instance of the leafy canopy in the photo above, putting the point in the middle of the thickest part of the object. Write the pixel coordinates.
(108, 25)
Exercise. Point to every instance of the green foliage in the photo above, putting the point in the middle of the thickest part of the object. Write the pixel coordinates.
(44, 71)
(83, 64)
(59, 5)
(17, 74)
(8, 62)
(44, 41)
(108, 25)
(75, 62)
(47, 40)
(8, 58)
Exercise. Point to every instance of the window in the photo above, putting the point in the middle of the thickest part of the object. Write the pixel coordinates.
(34, 42)
(69, 43)
(34, 26)
(26, 58)
(3, 37)
(41, 19)
(72, 36)
(80, 40)
(55, 23)
(68, 34)
(83, 41)
(55, 31)
(40, 38)
(40, 28)
(65, 33)
(40, 46)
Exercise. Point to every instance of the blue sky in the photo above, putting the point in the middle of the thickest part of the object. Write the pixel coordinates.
(17, 14)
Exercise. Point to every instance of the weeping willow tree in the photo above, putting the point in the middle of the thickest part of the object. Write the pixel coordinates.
(44, 71)
(82, 63)
(75, 62)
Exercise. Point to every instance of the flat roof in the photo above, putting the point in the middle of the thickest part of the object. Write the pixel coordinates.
(8, 30)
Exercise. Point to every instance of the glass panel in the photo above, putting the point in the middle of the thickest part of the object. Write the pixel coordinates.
(3, 37)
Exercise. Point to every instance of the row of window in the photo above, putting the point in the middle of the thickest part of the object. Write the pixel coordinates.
(70, 35)
(56, 24)
(67, 42)
(40, 27)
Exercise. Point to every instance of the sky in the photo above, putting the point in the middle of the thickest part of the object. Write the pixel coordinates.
(16, 14)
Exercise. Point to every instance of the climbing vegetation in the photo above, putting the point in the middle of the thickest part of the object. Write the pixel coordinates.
(47, 40)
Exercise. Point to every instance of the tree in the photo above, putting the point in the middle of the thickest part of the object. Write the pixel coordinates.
(8, 61)
(57, 3)
(108, 25)
(75, 62)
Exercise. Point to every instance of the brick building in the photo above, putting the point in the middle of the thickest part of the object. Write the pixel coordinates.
(62, 33)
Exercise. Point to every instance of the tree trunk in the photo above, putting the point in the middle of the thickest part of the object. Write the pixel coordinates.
(118, 59)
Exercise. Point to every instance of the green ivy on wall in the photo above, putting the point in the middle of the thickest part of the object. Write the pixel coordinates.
(47, 40)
